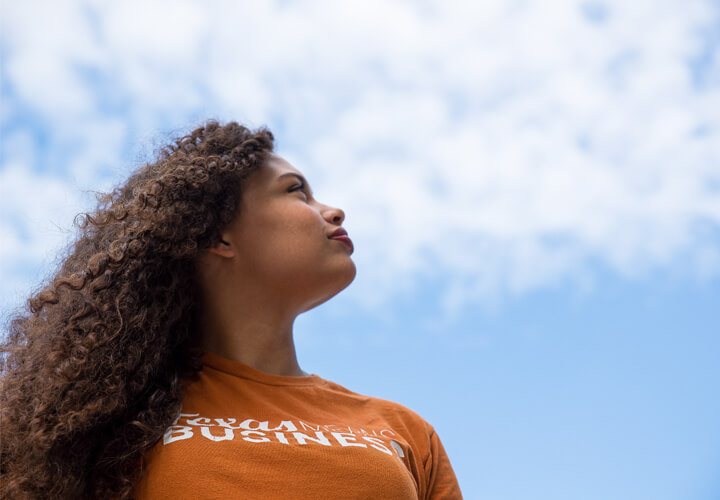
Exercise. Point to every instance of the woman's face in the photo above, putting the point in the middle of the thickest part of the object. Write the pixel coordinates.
(282, 239)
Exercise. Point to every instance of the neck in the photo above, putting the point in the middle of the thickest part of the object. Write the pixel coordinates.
(257, 335)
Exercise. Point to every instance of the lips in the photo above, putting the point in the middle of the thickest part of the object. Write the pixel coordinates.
(341, 235)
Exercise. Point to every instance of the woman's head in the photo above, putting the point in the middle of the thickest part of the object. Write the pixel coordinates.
(281, 246)
(91, 372)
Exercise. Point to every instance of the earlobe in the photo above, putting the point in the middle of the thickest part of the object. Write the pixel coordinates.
(222, 248)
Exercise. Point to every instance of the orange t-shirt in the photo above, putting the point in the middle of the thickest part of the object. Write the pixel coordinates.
(246, 434)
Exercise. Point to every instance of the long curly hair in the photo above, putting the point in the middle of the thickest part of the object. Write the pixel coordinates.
(91, 370)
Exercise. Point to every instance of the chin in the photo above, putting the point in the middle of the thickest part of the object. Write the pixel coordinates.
(350, 277)
(331, 287)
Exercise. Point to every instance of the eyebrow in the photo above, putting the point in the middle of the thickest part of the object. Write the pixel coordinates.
(298, 177)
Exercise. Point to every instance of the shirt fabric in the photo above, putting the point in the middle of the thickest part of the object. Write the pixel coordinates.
(243, 433)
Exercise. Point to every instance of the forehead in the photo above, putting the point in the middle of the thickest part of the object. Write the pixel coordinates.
(275, 166)
(268, 178)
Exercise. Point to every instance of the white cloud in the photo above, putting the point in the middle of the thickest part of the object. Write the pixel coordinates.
(36, 216)
(501, 146)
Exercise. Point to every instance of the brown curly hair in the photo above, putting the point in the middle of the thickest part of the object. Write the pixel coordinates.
(91, 370)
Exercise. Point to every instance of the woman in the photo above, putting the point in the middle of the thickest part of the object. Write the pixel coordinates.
(159, 362)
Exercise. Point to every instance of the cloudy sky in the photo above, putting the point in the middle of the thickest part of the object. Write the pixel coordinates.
(533, 189)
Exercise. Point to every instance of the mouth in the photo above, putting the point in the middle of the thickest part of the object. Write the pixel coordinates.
(338, 232)
(341, 236)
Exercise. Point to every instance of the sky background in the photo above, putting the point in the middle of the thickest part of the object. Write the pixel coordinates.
(532, 187)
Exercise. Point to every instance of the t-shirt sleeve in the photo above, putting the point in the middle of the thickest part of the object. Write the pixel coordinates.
(442, 483)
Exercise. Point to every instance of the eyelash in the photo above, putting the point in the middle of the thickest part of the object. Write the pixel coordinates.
(299, 187)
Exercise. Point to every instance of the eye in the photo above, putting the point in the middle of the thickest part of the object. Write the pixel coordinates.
(299, 188)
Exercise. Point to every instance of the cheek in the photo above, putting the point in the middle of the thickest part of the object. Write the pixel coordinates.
(285, 239)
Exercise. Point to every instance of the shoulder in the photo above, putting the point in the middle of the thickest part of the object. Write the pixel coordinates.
(391, 411)
(412, 439)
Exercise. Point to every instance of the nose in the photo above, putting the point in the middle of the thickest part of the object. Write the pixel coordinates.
(334, 215)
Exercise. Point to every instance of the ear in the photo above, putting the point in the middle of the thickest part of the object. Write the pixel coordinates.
(223, 249)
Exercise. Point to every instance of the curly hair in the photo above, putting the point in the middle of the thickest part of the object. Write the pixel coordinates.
(91, 370)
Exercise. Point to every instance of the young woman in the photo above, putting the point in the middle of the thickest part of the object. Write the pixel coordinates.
(159, 361)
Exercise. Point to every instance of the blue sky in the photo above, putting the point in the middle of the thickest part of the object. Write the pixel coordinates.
(533, 189)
